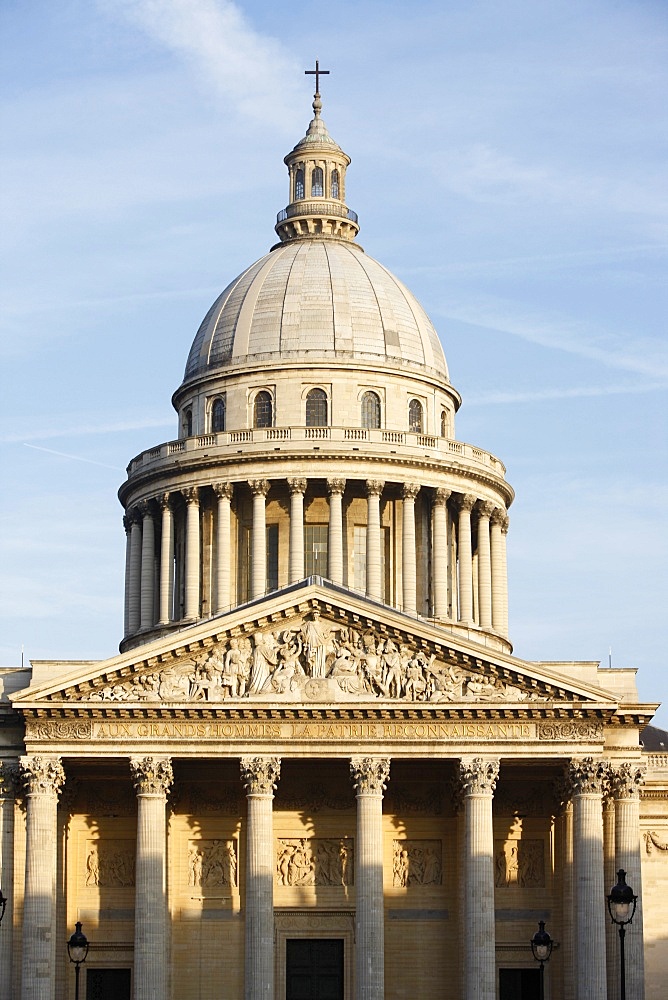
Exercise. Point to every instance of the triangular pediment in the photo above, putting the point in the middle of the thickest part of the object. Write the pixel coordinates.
(311, 645)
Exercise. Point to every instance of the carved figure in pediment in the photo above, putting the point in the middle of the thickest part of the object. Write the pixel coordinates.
(265, 658)
(175, 684)
(289, 669)
(317, 637)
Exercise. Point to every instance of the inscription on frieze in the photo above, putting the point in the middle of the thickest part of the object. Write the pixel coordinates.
(519, 863)
(110, 864)
(315, 861)
(212, 863)
(416, 862)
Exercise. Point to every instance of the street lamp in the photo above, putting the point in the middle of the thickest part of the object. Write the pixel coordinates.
(541, 947)
(3, 904)
(77, 949)
(622, 908)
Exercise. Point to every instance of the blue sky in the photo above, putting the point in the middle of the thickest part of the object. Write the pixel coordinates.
(509, 164)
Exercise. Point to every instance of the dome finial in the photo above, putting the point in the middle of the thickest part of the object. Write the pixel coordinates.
(317, 73)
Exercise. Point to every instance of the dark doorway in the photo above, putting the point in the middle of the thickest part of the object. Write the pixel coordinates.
(108, 984)
(519, 984)
(314, 969)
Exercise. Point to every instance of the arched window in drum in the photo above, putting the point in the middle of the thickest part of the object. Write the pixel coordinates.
(415, 416)
(370, 410)
(316, 408)
(263, 410)
(317, 183)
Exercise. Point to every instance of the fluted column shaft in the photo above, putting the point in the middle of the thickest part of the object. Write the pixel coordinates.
(440, 541)
(625, 783)
(43, 778)
(192, 553)
(296, 559)
(465, 559)
(224, 493)
(478, 777)
(260, 776)
(8, 781)
(370, 776)
(335, 488)
(408, 555)
(498, 581)
(259, 489)
(166, 561)
(134, 600)
(373, 538)
(504, 571)
(147, 602)
(152, 778)
(484, 565)
(586, 781)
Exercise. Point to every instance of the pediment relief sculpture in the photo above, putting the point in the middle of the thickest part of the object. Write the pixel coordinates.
(311, 660)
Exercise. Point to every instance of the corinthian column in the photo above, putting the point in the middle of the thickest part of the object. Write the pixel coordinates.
(484, 565)
(499, 583)
(259, 489)
(152, 777)
(166, 561)
(440, 536)
(8, 787)
(408, 556)
(374, 488)
(335, 488)
(626, 779)
(260, 776)
(224, 493)
(43, 778)
(127, 525)
(296, 559)
(587, 777)
(504, 534)
(191, 497)
(370, 776)
(134, 576)
(465, 506)
(147, 603)
(478, 777)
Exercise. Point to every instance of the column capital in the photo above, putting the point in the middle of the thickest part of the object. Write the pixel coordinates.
(374, 487)
(132, 516)
(190, 494)
(336, 486)
(127, 523)
(409, 491)
(42, 775)
(260, 774)
(478, 775)
(9, 779)
(259, 487)
(164, 501)
(441, 496)
(144, 508)
(151, 775)
(466, 501)
(586, 776)
(223, 491)
(370, 774)
(625, 779)
(505, 522)
(297, 486)
(485, 509)
(498, 516)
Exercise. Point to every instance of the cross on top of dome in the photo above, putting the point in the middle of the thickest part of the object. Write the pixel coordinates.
(317, 73)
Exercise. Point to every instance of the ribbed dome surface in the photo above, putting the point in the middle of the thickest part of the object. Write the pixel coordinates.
(316, 300)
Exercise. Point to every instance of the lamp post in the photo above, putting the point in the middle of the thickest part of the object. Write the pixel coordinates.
(622, 908)
(3, 905)
(77, 949)
(541, 947)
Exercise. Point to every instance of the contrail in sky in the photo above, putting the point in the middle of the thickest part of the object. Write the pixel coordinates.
(76, 458)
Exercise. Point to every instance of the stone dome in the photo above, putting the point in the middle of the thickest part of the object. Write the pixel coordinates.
(316, 299)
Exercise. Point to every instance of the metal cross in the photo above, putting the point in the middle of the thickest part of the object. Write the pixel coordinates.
(317, 73)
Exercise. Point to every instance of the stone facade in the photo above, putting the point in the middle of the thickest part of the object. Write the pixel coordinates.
(316, 729)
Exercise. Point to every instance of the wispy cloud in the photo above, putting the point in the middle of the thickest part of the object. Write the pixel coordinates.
(75, 458)
(83, 429)
(547, 395)
(252, 71)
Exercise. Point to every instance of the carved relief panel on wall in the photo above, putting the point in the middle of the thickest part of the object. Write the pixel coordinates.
(110, 864)
(315, 861)
(212, 863)
(519, 863)
(417, 862)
